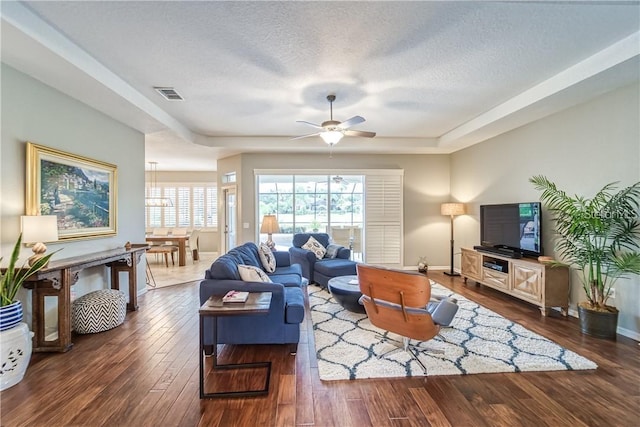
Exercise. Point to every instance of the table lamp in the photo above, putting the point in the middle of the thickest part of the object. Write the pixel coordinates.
(38, 229)
(269, 226)
(452, 209)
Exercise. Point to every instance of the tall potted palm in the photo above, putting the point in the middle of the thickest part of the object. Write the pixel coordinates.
(600, 237)
(15, 337)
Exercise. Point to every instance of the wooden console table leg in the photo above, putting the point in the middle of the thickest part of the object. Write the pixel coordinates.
(130, 267)
(61, 290)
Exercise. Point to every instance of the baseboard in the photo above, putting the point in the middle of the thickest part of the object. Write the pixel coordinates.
(629, 333)
(431, 268)
(621, 331)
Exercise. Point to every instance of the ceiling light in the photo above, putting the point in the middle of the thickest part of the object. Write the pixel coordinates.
(155, 202)
(331, 136)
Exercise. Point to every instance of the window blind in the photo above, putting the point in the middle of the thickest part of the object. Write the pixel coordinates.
(383, 220)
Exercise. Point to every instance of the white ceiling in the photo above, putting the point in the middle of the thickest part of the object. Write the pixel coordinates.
(429, 77)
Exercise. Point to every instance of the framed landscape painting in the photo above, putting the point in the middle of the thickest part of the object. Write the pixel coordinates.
(81, 192)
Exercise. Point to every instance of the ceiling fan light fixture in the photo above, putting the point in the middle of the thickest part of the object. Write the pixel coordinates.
(332, 136)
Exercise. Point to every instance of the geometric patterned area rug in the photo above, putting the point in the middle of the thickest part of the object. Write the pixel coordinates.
(478, 341)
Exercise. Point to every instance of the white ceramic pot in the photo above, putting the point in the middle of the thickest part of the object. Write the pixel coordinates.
(15, 353)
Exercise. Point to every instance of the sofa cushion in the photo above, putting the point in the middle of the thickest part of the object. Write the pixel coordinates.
(225, 267)
(286, 279)
(288, 269)
(248, 253)
(294, 305)
(267, 258)
(300, 239)
(251, 273)
(336, 267)
(314, 246)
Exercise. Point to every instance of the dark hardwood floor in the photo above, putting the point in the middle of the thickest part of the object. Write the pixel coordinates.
(145, 373)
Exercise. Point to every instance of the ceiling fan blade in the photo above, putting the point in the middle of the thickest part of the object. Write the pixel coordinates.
(310, 124)
(363, 133)
(351, 122)
(305, 136)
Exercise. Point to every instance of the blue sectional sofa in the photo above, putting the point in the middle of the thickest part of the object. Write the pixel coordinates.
(320, 270)
(281, 325)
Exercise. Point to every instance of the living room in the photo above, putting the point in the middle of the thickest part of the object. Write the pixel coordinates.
(581, 147)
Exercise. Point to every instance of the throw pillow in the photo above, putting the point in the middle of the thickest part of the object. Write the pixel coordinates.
(250, 273)
(267, 258)
(332, 250)
(314, 246)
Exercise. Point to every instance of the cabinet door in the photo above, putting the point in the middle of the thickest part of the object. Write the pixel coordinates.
(527, 281)
(471, 264)
(495, 279)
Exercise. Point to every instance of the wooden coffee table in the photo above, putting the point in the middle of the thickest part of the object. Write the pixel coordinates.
(346, 293)
(258, 303)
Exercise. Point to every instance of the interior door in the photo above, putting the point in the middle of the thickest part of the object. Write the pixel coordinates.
(230, 218)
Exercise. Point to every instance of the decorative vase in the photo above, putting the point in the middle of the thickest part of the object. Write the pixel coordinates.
(599, 324)
(423, 267)
(10, 315)
(15, 353)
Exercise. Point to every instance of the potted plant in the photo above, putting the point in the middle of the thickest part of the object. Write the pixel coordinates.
(15, 337)
(600, 237)
(11, 278)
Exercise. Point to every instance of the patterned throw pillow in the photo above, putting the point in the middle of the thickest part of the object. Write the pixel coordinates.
(250, 273)
(267, 258)
(314, 246)
(332, 250)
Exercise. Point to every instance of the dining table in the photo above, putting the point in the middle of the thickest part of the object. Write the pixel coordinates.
(179, 240)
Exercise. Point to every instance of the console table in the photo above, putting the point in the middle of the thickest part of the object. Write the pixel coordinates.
(56, 280)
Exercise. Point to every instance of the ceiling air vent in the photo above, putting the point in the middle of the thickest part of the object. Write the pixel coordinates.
(169, 93)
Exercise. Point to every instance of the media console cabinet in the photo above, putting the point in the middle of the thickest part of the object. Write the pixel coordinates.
(523, 278)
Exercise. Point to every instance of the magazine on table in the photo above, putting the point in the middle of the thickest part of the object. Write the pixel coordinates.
(235, 296)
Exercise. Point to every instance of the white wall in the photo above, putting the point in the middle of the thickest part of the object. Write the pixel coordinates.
(426, 186)
(580, 149)
(32, 111)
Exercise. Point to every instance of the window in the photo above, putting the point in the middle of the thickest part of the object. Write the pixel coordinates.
(194, 206)
(362, 209)
(311, 203)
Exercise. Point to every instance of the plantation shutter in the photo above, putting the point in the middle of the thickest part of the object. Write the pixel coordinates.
(383, 219)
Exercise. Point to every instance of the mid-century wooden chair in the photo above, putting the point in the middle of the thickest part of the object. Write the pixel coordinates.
(398, 301)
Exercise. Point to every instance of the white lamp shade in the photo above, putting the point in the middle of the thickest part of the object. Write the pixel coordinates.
(452, 209)
(39, 228)
(269, 225)
(332, 136)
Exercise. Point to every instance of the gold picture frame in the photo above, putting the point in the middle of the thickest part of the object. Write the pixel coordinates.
(81, 192)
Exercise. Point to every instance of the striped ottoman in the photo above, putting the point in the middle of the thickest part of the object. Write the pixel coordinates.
(98, 311)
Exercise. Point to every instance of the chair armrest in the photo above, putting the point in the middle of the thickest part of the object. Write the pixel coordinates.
(344, 253)
(443, 311)
(302, 254)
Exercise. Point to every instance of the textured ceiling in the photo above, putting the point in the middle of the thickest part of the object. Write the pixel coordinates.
(421, 73)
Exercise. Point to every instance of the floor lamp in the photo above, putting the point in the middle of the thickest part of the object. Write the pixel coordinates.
(452, 209)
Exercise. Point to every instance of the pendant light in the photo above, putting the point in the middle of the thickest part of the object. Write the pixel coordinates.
(155, 202)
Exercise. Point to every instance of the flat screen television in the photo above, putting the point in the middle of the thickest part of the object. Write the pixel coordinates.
(511, 228)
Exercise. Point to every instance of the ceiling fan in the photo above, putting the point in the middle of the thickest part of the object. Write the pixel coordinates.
(332, 131)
